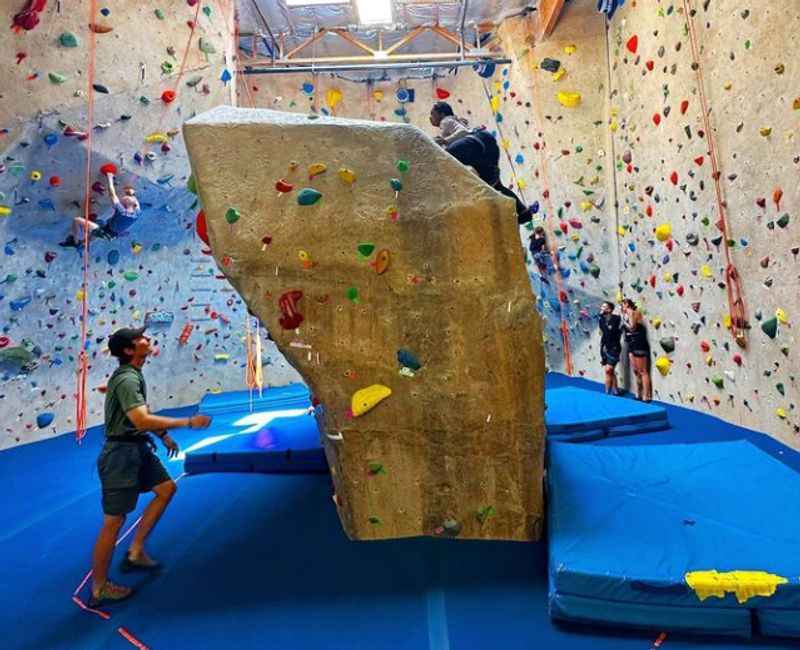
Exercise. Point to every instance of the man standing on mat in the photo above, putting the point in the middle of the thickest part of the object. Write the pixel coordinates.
(128, 465)
(610, 345)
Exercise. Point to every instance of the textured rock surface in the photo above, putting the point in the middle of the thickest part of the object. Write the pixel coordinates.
(457, 448)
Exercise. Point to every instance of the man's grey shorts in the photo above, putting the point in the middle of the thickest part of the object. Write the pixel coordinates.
(126, 470)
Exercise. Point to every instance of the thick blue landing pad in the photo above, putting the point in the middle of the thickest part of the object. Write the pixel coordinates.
(578, 415)
(278, 436)
(626, 523)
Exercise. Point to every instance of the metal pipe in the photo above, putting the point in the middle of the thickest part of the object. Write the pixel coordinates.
(263, 18)
(462, 22)
(378, 66)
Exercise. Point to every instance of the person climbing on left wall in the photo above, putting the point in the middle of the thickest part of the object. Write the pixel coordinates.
(126, 212)
(128, 465)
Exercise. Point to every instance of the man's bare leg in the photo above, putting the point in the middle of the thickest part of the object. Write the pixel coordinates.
(152, 513)
(104, 550)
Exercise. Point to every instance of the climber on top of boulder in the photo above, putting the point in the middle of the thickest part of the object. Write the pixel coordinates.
(476, 148)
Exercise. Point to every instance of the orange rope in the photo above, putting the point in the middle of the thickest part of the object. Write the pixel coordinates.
(548, 213)
(733, 280)
(83, 357)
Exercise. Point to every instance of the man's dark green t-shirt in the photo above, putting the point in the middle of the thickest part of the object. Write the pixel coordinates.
(125, 391)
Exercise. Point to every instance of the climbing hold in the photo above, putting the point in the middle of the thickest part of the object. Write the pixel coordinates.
(283, 186)
(718, 381)
(68, 39)
(156, 138)
(783, 221)
(569, 100)
(352, 295)
(333, 97)
(56, 77)
(633, 44)
(44, 419)
(402, 166)
(368, 398)
(290, 318)
(441, 93)
(108, 168)
(765, 131)
(347, 175)
(656, 118)
(316, 169)
(781, 413)
(668, 344)
(396, 184)
(232, 215)
(308, 196)
(36, 176)
(159, 14)
(365, 250)
(201, 227)
(130, 276)
(777, 195)
(550, 65)
(664, 232)
(5, 210)
(113, 257)
(377, 95)
(307, 88)
(205, 46)
(381, 263)
(226, 76)
(101, 28)
(168, 96)
(450, 527)
(305, 259)
(780, 314)
(100, 88)
(406, 359)
(706, 272)
(663, 365)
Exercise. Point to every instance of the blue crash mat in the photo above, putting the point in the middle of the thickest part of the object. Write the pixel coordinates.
(576, 415)
(626, 524)
(278, 436)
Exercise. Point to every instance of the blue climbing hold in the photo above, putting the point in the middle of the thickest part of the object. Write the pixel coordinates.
(113, 257)
(20, 304)
(47, 204)
(519, 159)
(225, 77)
(535, 207)
(50, 139)
(308, 88)
(44, 419)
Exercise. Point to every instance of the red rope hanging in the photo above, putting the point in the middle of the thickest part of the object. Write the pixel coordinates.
(733, 281)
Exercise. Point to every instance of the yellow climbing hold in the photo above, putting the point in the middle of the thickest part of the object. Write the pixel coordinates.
(4, 211)
(781, 413)
(347, 175)
(79, 295)
(663, 365)
(621, 230)
(656, 323)
(36, 175)
(505, 143)
(377, 95)
(368, 398)
(569, 100)
(727, 321)
(586, 205)
(495, 102)
(667, 277)
(766, 131)
(745, 584)
(334, 96)
(705, 271)
(157, 137)
(570, 49)
(614, 126)
(781, 316)
(521, 184)
(316, 169)
(664, 232)
(559, 74)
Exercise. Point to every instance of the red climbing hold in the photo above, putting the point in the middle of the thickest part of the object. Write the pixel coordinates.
(674, 178)
(55, 181)
(649, 210)
(284, 186)
(761, 203)
(108, 168)
(20, 57)
(202, 228)
(679, 289)
(656, 118)
(684, 106)
(49, 256)
(168, 96)
(291, 318)
(28, 18)
(699, 161)
(441, 93)
(653, 281)
(633, 44)
(650, 65)
(737, 359)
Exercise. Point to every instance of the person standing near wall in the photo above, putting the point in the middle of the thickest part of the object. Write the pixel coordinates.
(476, 148)
(638, 349)
(128, 465)
(610, 345)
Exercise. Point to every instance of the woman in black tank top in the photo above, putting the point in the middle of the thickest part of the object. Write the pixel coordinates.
(638, 349)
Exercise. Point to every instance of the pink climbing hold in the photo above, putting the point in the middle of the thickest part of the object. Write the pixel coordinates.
(633, 44)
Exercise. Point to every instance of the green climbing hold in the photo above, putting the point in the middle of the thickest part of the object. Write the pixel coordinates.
(56, 77)
(770, 327)
(402, 166)
(159, 14)
(781, 389)
(484, 513)
(111, 284)
(396, 184)
(352, 295)
(68, 39)
(167, 67)
(718, 381)
(365, 250)
(376, 468)
(191, 184)
(308, 196)
(594, 270)
(375, 521)
(206, 47)
(232, 216)
(783, 221)
(207, 11)
(668, 344)
(130, 276)
(144, 100)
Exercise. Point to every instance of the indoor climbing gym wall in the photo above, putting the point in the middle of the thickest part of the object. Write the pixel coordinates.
(156, 65)
(705, 115)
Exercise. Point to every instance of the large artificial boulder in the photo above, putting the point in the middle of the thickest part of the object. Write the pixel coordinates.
(393, 279)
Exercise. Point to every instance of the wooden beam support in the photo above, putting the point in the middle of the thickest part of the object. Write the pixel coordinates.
(353, 40)
(448, 36)
(549, 11)
(395, 58)
(306, 43)
(406, 39)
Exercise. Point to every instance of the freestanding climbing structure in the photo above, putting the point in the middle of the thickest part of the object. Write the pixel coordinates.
(393, 279)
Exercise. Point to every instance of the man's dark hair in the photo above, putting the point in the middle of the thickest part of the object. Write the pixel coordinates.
(610, 304)
(122, 340)
(443, 108)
